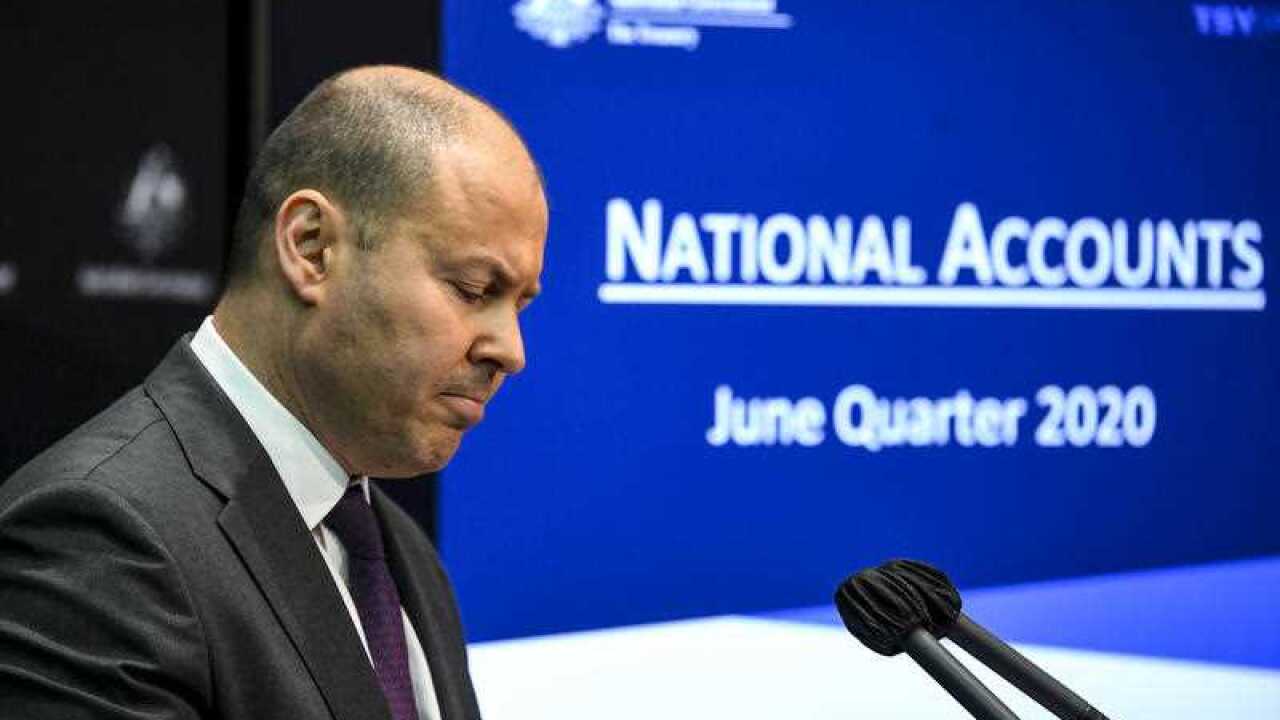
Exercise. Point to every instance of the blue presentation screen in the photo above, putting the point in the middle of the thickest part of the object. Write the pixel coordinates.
(986, 284)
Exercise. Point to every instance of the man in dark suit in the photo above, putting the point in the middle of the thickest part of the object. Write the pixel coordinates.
(209, 546)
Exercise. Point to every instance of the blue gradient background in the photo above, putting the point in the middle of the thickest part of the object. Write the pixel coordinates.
(589, 497)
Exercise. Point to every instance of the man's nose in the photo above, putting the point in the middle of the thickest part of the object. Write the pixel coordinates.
(500, 342)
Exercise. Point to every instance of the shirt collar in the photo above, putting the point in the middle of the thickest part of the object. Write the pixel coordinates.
(313, 478)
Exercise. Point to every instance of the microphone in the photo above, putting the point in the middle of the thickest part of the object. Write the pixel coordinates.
(887, 614)
(942, 602)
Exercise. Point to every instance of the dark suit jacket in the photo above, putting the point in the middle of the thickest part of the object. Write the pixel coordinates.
(152, 565)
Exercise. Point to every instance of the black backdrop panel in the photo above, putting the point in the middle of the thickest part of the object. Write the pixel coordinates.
(114, 214)
(312, 40)
(125, 143)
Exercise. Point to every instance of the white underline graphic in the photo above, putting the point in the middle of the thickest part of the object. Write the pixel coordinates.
(964, 297)
(770, 21)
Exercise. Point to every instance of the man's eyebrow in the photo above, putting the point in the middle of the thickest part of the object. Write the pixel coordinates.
(500, 269)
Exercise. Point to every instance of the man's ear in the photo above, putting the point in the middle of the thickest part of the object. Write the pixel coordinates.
(307, 230)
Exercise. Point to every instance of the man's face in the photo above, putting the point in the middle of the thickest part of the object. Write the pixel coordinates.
(418, 334)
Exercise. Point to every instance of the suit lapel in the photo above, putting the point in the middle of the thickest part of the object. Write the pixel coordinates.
(262, 523)
(424, 601)
(281, 554)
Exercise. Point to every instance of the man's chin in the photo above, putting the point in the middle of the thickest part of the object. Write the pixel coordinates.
(434, 457)
(415, 455)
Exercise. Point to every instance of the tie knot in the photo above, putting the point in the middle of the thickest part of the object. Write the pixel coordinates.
(352, 520)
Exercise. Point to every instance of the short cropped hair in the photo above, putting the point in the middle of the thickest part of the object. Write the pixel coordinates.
(367, 145)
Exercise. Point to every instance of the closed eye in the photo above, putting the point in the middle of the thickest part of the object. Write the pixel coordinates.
(467, 295)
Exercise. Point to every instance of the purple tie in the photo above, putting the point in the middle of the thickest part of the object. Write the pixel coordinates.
(377, 601)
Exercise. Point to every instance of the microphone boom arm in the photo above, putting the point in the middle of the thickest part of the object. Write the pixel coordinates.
(1019, 671)
(954, 677)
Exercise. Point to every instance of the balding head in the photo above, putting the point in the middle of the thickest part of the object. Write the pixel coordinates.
(392, 231)
(369, 139)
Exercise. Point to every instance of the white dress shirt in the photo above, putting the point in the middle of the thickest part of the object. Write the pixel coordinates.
(312, 477)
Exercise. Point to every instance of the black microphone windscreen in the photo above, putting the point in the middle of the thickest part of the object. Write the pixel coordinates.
(940, 597)
(880, 608)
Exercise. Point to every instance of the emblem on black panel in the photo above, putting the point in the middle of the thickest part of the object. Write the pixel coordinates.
(150, 219)
(154, 210)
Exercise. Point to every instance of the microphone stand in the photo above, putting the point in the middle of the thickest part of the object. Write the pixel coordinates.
(954, 677)
(1019, 671)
